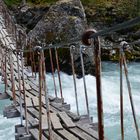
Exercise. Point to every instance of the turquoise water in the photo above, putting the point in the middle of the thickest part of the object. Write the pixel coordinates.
(110, 86)
(6, 125)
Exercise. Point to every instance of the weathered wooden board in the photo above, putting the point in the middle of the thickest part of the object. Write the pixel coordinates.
(79, 133)
(55, 121)
(66, 119)
(55, 136)
(70, 114)
(44, 122)
(28, 102)
(35, 134)
(89, 131)
(67, 135)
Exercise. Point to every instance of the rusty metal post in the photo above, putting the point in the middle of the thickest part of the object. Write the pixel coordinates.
(34, 64)
(58, 71)
(46, 96)
(40, 95)
(84, 80)
(74, 79)
(95, 43)
(19, 81)
(31, 60)
(97, 51)
(12, 78)
(121, 96)
(20, 94)
(52, 67)
(23, 83)
(5, 75)
(130, 93)
(2, 64)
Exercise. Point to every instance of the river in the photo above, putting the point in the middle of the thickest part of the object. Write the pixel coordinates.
(111, 101)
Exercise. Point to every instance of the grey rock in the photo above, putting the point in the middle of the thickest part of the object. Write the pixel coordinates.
(64, 22)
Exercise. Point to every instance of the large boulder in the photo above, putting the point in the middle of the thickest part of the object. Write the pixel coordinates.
(64, 22)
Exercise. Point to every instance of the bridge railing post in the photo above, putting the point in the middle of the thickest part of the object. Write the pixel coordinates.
(74, 78)
(46, 95)
(124, 45)
(12, 77)
(84, 80)
(52, 68)
(95, 43)
(121, 94)
(23, 79)
(5, 62)
(58, 72)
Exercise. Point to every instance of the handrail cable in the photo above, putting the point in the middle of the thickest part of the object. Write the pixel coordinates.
(74, 78)
(121, 94)
(130, 93)
(117, 27)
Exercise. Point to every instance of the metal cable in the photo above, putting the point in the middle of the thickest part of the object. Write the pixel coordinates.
(12, 78)
(117, 27)
(84, 80)
(74, 79)
(58, 72)
(52, 67)
(121, 96)
(130, 96)
(46, 95)
(24, 93)
(5, 75)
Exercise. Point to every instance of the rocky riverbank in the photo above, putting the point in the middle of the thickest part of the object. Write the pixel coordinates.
(65, 21)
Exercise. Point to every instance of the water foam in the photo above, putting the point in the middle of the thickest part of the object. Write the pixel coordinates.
(111, 97)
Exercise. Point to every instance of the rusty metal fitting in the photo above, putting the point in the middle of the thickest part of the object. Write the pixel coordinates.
(37, 48)
(86, 40)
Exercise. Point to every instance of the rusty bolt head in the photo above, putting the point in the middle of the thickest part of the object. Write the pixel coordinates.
(86, 36)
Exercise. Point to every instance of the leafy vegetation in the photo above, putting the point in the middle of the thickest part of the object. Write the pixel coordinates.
(124, 8)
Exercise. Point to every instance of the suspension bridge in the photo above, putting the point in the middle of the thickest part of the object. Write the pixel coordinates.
(43, 116)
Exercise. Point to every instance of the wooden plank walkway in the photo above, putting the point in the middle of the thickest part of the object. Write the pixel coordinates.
(65, 124)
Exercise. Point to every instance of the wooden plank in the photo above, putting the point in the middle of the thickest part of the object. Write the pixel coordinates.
(35, 101)
(66, 119)
(12, 46)
(55, 122)
(35, 134)
(82, 135)
(55, 136)
(27, 86)
(89, 131)
(28, 102)
(70, 114)
(34, 112)
(5, 32)
(44, 122)
(33, 121)
(67, 135)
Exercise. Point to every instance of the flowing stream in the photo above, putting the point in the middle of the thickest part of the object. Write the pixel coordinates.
(111, 100)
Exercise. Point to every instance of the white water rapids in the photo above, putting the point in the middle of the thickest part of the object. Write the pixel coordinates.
(111, 101)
